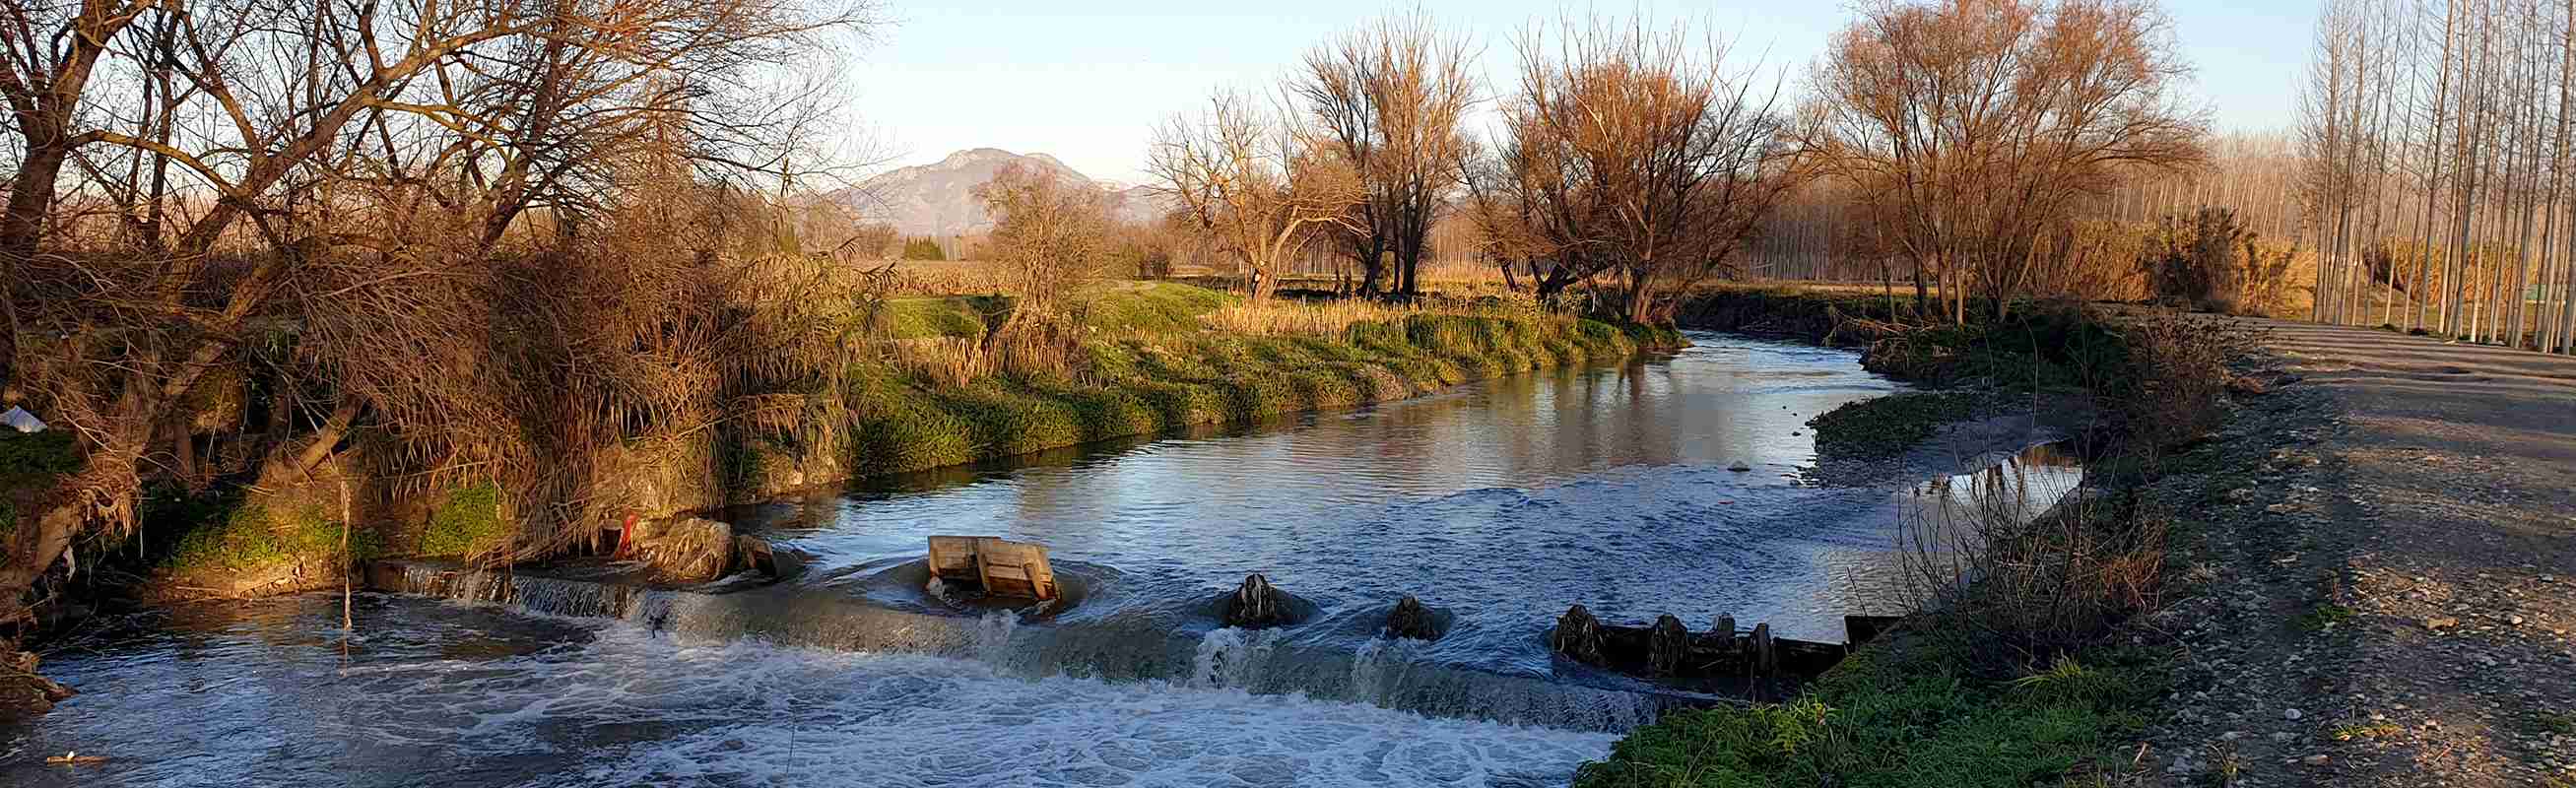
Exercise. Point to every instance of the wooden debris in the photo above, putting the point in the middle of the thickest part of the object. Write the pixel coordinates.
(74, 758)
(1000, 566)
(1668, 649)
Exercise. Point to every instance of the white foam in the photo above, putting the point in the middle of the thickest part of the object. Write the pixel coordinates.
(1231, 657)
(644, 709)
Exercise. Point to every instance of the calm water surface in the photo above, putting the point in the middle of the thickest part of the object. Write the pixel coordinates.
(1498, 504)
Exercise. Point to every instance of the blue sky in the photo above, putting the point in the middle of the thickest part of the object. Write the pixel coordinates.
(1088, 81)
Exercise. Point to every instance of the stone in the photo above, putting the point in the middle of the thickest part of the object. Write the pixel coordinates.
(2291, 714)
(2314, 760)
(1739, 467)
(1578, 636)
(1410, 619)
(1257, 604)
(2441, 622)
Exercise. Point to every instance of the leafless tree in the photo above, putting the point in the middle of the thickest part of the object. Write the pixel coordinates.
(1388, 100)
(1634, 153)
(1986, 123)
(1253, 184)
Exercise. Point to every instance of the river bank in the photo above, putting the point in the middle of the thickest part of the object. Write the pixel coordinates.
(2001, 683)
(1497, 503)
(920, 391)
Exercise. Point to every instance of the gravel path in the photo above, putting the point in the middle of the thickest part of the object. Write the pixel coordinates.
(2387, 583)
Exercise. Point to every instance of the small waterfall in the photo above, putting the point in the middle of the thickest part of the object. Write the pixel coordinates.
(1378, 665)
(1384, 673)
(993, 635)
(1230, 657)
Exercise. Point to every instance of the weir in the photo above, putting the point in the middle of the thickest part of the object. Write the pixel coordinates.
(1382, 673)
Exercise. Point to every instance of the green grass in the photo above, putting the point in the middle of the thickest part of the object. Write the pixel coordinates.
(1887, 426)
(2324, 616)
(1903, 713)
(923, 318)
(1146, 364)
(467, 522)
(1149, 308)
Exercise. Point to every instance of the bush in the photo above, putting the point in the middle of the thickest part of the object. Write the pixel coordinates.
(2213, 264)
(923, 249)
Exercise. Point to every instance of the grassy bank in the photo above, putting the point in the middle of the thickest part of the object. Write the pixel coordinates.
(923, 382)
(2025, 676)
(1146, 358)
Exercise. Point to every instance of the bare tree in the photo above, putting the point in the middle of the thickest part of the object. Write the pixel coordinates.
(1253, 184)
(1050, 234)
(1987, 122)
(1632, 153)
(1388, 100)
(346, 170)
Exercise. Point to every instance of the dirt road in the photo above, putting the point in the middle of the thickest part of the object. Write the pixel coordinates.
(2387, 585)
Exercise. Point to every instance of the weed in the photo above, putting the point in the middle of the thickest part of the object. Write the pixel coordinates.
(2324, 616)
(2355, 732)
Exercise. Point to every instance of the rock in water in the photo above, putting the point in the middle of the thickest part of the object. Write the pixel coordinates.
(1577, 635)
(1257, 604)
(1666, 646)
(1411, 620)
(689, 550)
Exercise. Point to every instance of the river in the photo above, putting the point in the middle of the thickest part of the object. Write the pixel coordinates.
(1498, 503)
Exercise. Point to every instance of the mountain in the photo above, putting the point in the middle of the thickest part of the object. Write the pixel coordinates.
(939, 199)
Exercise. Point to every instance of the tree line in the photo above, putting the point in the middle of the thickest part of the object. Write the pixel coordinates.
(2433, 140)
(1957, 141)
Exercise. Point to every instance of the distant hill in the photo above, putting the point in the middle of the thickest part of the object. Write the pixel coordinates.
(939, 199)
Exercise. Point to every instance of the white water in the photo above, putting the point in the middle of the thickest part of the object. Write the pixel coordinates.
(747, 713)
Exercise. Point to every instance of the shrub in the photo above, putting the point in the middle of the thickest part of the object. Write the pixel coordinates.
(923, 249)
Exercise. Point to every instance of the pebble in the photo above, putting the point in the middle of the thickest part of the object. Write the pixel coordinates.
(2314, 760)
(2441, 622)
(2291, 714)
(1739, 467)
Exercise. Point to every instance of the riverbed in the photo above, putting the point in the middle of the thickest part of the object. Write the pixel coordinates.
(1498, 504)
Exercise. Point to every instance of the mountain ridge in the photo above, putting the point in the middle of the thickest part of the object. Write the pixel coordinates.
(939, 198)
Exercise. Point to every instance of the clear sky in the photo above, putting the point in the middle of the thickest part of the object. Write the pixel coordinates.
(1087, 80)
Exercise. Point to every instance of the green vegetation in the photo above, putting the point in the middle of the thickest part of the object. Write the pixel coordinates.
(923, 249)
(262, 534)
(2324, 616)
(922, 318)
(1901, 714)
(468, 522)
(2013, 679)
(1142, 358)
(1887, 426)
(28, 464)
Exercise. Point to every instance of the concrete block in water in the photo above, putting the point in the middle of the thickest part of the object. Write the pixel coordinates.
(1410, 619)
(1257, 604)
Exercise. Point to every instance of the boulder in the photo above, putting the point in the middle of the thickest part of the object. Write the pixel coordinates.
(1410, 619)
(1577, 635)
(1258, 604)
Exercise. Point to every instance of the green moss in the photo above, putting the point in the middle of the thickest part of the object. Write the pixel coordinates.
(1887, 426)
(467, 522)
(1904, 715)
(30, 459)
(262, 534)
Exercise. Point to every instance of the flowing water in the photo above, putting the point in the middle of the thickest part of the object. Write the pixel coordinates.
(1498, 504)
